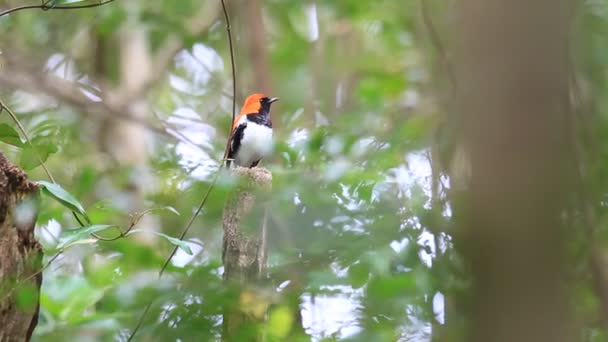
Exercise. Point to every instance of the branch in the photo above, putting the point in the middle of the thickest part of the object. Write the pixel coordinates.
(44, 6)
(233, 80)
(66, 91)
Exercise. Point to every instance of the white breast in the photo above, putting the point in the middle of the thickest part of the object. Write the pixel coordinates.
(256, 144)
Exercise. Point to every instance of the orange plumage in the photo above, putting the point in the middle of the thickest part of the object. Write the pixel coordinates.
(252, 106)
(251, 137)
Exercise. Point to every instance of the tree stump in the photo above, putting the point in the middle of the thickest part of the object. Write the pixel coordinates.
(244, 245)
(20, 255)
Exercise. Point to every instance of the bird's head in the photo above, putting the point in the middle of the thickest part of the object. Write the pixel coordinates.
(257, 103)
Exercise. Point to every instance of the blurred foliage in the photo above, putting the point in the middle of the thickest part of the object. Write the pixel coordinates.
(357, 240)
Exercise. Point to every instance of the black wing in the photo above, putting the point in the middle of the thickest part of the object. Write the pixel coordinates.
(235, 142)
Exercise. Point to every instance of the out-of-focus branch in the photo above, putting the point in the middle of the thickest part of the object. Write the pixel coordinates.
(63, 90)
(45, 6)
(120, 102)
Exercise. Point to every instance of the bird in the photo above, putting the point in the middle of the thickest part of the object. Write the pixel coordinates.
(251, 136)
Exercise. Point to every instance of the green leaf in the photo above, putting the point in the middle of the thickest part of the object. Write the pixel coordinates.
(392, 286)
(171, 209)
(9, 135)
(81, 235)
(168, 208)
(88, 241)
(111, 21)
(174, 241)
(70, 298)
(45, 129)
(63, 197)
(27, 296)
(33, 155)
(280, 322)
(358, 274)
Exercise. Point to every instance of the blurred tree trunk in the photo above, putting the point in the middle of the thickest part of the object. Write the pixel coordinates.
(258, 51)
(244, 251)
(511, 65)
(125, 143)
(249, 32)
(20, 255)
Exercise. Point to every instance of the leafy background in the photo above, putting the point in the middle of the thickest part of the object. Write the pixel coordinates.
(360, 228)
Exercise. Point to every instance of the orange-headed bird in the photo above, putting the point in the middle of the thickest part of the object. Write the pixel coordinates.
(251, 137)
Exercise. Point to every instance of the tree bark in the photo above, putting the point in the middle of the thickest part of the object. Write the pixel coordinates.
(513, 103)
(244, 247)
(20, 255)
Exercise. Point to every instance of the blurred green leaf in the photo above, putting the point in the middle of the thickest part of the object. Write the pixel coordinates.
(358, 274)
(388, 287)
(9, 135)
(65, 198)
(81, 235)
(34, 155)
(67, 298)
(167, 208)
(27, 296)
(111, 21)
(280, 321)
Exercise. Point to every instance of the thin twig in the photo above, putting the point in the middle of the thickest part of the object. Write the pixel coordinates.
(134, 222)
(185, 231)
(48, 263)
(233, 81)
(231, 60)
(211, 186)
(168, 260)
(69, 93)
(45, 7)
(46, 170)
(27, 138)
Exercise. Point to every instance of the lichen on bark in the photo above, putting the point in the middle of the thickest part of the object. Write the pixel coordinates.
(244, 246)
(20, 254)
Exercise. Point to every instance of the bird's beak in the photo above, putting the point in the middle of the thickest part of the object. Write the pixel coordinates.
(273, 99)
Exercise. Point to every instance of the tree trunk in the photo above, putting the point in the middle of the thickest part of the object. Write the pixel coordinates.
(513, 104)
(20, 255)
(244, 249)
